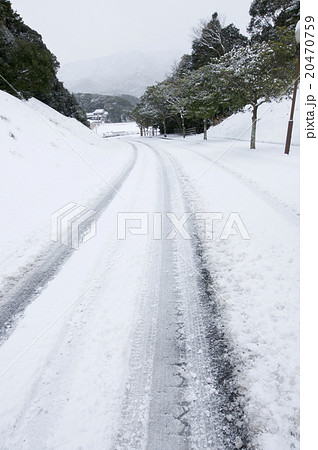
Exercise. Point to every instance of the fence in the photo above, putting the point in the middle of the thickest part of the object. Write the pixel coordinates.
(188, 131)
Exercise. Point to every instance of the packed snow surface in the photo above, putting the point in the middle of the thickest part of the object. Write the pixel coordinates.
(112, 352)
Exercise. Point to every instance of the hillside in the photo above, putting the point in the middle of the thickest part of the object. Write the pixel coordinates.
(271, 124)
(27, 66)
(119, 108)
(49, 160)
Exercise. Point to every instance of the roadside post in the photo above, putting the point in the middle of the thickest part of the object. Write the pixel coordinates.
(291, 118)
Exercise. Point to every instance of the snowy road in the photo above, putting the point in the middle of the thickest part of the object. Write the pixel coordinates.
(175, 388)
(16, 294)
(124, 343)
(95, 377)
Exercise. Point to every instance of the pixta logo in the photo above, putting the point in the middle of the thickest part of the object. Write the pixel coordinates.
(73, 225)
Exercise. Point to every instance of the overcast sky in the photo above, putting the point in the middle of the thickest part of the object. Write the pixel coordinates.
(80, 29)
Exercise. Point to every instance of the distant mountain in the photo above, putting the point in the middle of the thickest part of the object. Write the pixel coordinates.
(124, 73)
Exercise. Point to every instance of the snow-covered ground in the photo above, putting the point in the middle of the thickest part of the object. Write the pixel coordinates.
(257, 278)
(94, 352)
(111, 129)
(47, 161)
(271, 125)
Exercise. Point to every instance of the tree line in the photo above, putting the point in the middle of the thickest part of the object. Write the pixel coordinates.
(226, 71)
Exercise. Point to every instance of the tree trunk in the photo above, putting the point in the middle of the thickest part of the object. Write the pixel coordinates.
(164, 128)
(205, 135)
(141, 131)
(254, 120)
(183, 127)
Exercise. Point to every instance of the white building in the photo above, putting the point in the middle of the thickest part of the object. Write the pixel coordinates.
(99, 115)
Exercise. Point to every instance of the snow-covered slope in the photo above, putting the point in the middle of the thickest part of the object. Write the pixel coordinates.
(46, 161)
(271, 125)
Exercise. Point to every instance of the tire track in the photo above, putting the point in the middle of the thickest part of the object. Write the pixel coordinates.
(220, 363)
(19, 292)
(209, 407)
(153, 411)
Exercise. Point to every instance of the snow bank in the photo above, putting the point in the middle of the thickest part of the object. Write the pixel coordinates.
(271, 126)
(47, 160)
(126, 128)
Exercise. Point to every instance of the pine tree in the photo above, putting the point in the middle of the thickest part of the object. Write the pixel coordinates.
(144, 115)
(184, 67)
(255, 74)
(268, 15)
(158, 102)
(213, 41)
(206, 95)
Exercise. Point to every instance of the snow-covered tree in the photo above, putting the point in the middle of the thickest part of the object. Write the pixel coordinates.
(268, 15)
(205, 94)
(254, 75)
(144, 115)
(28, 68)
(157, 98)
(178, 98)
(183, 67)
(212, 40)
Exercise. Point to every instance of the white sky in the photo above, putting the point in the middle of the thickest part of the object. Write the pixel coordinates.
(81, 29)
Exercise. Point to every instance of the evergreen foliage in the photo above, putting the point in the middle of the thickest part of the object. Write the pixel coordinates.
(269, 15)
(28, 65)
(227, 72)
(208, 97)
(119, 108)
(254, 75)
(213, 41)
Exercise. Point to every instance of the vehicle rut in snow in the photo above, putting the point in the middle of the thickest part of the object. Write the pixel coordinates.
(18, 293)
(182, 390)
(154, 407)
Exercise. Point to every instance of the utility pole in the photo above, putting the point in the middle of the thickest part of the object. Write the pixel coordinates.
(291, 118)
